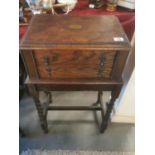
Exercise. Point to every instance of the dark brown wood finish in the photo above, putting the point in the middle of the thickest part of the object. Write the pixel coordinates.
(48, 31)
(30, 64)
(74, 84)
(39, 107)
(74, 64)
(114, 94)
(119, 63)
(74, 53)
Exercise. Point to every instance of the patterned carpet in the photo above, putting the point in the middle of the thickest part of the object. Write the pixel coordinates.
(67, 152)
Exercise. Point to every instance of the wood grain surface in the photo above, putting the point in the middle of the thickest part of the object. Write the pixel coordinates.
(46, 31)
(74, 64)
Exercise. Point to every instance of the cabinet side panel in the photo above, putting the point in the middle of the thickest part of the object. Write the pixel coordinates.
(29, 63)
(119, 64)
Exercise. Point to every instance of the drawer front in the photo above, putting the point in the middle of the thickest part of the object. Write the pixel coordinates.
(74, 64)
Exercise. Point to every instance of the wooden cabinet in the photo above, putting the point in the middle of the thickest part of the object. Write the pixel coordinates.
(75, 52)
(73, 64)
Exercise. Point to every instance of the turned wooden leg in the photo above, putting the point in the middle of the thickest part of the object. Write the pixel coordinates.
(99, 98)
(102, 106)
(100, 102)
(114, 95)
(39, 107)
(49, 97)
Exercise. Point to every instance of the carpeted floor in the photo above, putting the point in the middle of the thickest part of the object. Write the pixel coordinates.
(72, 130)
(67, 152)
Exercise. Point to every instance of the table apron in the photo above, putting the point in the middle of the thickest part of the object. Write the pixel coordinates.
(99, 87)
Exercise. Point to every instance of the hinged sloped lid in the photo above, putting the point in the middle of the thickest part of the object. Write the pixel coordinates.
(48, 31)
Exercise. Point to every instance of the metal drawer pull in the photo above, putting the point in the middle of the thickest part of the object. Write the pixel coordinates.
(46, 60)
(48, 69)
(47, 65)
(101, 65)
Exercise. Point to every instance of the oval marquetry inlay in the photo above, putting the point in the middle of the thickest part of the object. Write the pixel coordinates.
(75, 26)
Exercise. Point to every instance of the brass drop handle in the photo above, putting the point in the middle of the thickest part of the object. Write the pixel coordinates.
(46, 60)
(48, 69)
(101, 65)
(47, 65)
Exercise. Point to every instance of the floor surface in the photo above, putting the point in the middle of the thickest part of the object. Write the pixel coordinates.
(72, 130)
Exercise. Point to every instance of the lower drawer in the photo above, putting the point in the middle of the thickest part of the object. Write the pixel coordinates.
(74, 64)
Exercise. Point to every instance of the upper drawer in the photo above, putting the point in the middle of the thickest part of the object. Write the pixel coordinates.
(63, 64)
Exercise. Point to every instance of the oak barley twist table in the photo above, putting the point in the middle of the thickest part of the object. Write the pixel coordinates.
(74, 53)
